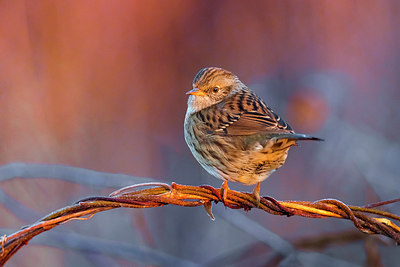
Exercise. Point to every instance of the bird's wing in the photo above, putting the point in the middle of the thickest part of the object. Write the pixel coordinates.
(246, 114)
(249, 123)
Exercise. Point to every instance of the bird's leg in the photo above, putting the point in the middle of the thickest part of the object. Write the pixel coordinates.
(256, 193)
(225, 189)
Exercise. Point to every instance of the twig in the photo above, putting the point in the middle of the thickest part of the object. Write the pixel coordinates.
(191, 196)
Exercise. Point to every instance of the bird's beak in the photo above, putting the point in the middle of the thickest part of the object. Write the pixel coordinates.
(196, 92)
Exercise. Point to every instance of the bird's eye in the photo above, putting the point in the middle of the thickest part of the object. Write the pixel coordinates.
(215, 89)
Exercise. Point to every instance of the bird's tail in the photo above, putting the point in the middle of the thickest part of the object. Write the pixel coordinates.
(294, 136)
(299, 136)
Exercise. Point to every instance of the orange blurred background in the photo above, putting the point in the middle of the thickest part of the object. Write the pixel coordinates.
(101, 85)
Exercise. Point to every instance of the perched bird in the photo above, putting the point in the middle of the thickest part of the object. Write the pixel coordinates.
(232, 133)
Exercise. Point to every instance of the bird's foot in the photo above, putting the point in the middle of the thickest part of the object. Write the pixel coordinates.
(225, 189)
(256, 193)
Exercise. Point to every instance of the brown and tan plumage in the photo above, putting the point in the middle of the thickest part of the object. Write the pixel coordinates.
(232, 133)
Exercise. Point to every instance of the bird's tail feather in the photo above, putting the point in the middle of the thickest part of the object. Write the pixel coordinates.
(294, 136)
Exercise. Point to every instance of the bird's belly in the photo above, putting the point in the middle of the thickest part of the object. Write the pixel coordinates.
(229, 159)
(256, 166)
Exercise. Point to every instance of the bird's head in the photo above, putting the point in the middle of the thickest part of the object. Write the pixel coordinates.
(211, 86)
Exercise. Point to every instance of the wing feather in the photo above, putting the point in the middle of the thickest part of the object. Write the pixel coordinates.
(246, 114)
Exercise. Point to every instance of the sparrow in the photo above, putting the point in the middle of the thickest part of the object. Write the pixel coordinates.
(232, 133)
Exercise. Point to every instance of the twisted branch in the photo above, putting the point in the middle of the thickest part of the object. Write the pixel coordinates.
(160, 194)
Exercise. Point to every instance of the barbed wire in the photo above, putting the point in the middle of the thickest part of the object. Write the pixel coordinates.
(160, 194)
